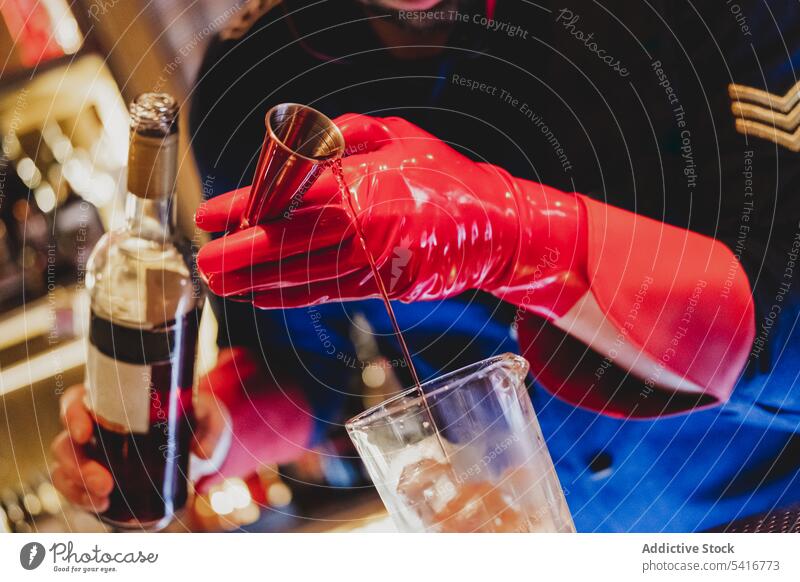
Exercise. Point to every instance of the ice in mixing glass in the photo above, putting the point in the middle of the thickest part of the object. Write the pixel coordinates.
(467, 457)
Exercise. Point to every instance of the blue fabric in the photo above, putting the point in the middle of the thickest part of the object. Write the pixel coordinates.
(686, 473)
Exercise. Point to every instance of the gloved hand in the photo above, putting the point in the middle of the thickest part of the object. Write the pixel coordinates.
(435, 222)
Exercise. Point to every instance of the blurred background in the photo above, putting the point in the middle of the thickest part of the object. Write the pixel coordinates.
(69, 69)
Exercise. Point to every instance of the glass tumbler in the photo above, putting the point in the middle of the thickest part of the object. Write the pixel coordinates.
(467, 457)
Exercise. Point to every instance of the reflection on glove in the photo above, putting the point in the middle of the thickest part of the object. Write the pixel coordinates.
(435, 222)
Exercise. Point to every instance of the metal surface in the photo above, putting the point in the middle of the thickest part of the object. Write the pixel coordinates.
(299, 143)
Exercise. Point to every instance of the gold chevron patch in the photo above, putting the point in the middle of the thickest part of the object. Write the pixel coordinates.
(766, 116)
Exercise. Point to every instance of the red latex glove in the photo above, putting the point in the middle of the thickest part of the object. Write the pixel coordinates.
(436, 223)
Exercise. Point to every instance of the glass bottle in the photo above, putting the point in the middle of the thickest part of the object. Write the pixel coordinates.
(145, 311)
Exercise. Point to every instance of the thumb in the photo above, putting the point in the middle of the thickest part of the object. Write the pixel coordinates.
(75, 416)
(362, 133)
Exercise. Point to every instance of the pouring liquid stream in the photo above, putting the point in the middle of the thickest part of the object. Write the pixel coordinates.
(336, 168)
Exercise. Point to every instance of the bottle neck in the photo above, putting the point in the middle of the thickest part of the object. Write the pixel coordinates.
(152, 173)
(150, 218)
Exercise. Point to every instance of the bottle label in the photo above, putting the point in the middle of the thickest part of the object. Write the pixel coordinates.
(118, 393)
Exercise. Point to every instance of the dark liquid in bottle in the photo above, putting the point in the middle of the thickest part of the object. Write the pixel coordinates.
(150, 469)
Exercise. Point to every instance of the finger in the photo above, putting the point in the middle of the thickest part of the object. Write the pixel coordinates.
(93, 477)
(222, 213)
(211, 424)
(307, 230)
(327, 264)
(66, 486)
(74, 415)
(75, 493)
(355, 286)
(362, 133)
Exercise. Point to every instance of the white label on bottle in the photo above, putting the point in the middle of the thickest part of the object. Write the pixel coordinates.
(118, 393)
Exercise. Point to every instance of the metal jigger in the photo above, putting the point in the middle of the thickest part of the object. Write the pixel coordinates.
(300, 142)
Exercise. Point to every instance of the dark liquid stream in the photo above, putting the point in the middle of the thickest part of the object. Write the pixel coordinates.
(336, 168)
(337, 171)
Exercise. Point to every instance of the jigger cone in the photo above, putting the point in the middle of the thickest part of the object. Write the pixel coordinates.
(300, 142)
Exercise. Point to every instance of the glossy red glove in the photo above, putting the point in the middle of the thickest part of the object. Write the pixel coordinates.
(436, 223)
